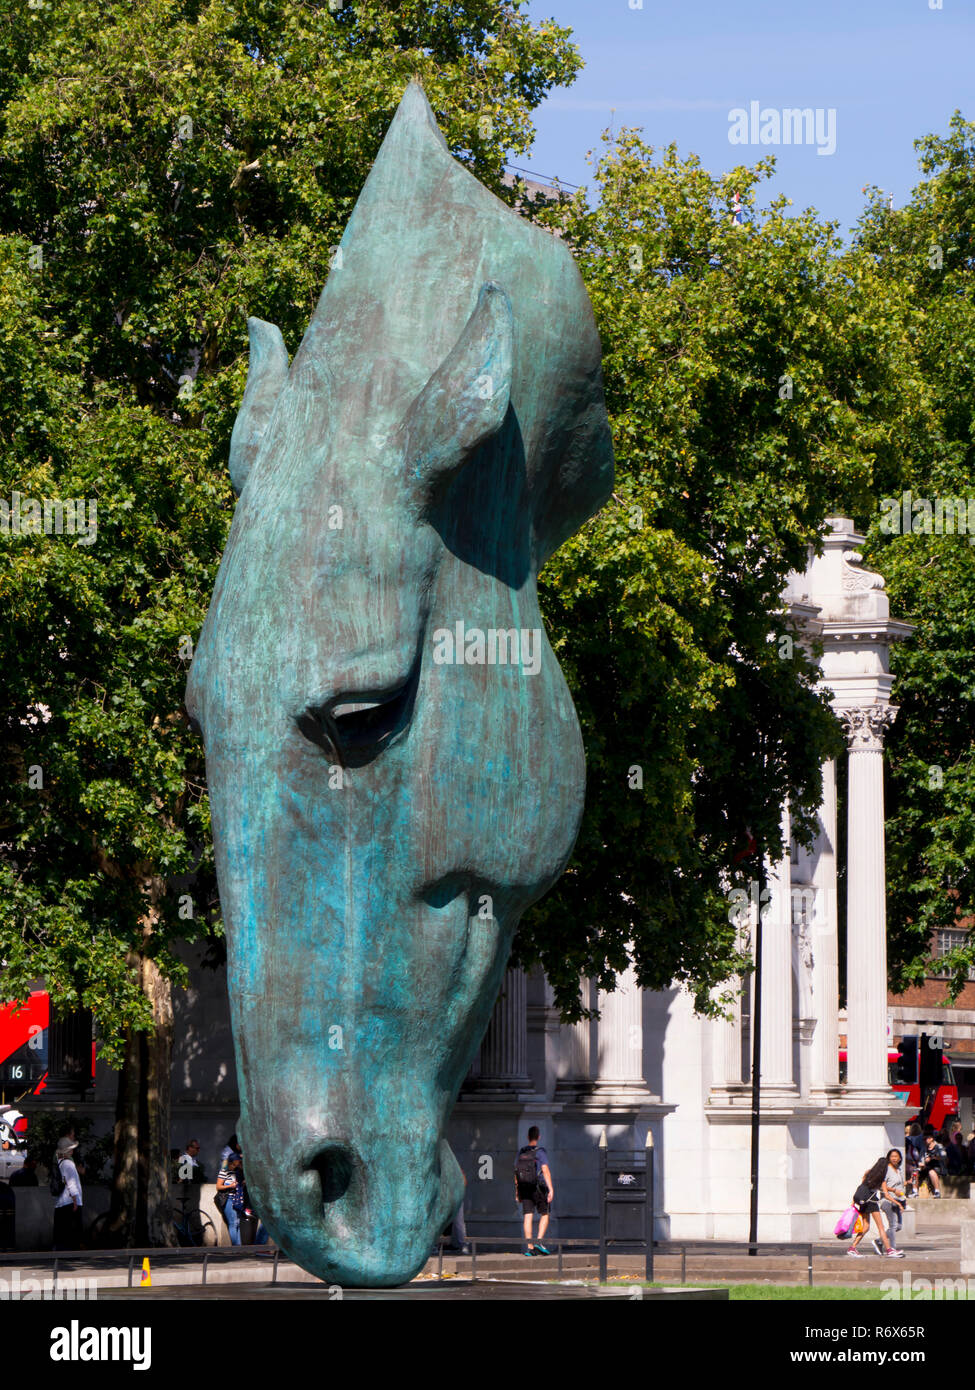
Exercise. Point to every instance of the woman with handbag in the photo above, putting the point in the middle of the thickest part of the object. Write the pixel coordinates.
(230, 1189)
(893, 1198)
(866, 1199)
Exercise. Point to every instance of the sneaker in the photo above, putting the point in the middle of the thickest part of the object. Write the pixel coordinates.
(937, 1195)
(893, 1254)
(856, 1254)
(529, 1252)
(540, 1250)
(877, 1245)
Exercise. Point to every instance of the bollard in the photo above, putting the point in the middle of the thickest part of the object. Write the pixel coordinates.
(968, 1247)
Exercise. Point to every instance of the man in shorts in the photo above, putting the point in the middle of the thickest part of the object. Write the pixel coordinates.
(536, 1196)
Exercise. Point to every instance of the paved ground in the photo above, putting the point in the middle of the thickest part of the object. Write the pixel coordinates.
(452, 1290)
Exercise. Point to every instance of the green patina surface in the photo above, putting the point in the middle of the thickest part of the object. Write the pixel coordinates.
(388, 799)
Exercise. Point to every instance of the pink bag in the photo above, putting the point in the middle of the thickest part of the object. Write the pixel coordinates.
(844, 1227)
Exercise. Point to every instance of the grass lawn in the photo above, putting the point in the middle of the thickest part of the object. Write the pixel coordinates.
(802, 1293)
(780, 1292)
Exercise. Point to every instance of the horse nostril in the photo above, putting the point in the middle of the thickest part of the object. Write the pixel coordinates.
(335, 1166)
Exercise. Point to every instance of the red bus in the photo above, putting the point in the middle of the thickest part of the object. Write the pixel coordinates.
(23, 1046)
(921, 1077)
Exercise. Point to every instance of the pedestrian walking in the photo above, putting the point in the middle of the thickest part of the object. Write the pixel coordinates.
(866, 1199)
(893, 1199)
(66, 1190)
(229, 1195)
(251, 1227)
(535, 1190)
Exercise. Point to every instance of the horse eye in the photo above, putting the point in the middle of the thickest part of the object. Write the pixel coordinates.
(369, 723)
(355, 731)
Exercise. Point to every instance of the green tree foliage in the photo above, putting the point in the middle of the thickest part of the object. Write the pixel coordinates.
(166, 169)
(102, 795)
(925, 255)
(753, 375)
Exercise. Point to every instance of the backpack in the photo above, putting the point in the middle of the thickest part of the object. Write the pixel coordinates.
(526, 1168)
(56, 1180)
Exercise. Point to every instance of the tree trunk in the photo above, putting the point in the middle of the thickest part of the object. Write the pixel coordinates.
(125, 1165)
(156, 1116)
(141, 1213)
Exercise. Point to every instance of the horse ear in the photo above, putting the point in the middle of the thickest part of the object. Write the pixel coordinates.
(465, 401)
(266, 374)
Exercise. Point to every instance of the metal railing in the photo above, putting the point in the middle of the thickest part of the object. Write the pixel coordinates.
(730, 1247)
(582, 1246)
(65, 1260)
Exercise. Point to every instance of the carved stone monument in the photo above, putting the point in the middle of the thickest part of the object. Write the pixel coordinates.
(394, 761)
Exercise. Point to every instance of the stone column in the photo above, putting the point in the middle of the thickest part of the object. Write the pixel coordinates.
(619, 1069)
(866, 915)
(825, 964)
(502, 1065)
(777, 973)
(576, 1050)
(728, 1047)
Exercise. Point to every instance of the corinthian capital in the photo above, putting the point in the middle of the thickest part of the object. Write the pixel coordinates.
(865, 726)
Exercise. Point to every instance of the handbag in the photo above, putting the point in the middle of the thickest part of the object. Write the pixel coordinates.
(845, 1226)
(861, 1225)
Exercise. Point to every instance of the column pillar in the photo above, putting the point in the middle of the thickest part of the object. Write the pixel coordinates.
(731, 1039)
(728, 1048)
(502, 1065)
(866, 913)
(619, 1058)
(577, 1051)
(825, 963)
(777, 973)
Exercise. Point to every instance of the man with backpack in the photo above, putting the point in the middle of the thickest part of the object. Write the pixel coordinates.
(66, 1191)
(534, 1189)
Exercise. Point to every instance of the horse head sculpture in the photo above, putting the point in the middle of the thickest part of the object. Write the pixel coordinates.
(394, 762)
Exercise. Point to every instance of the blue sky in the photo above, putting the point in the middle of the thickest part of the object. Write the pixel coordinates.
(892, 71)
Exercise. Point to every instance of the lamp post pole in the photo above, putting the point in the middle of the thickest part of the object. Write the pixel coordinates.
(756, 1063)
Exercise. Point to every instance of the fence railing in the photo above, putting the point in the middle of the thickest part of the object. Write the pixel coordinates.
(64, 1261)
(603, 1249)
